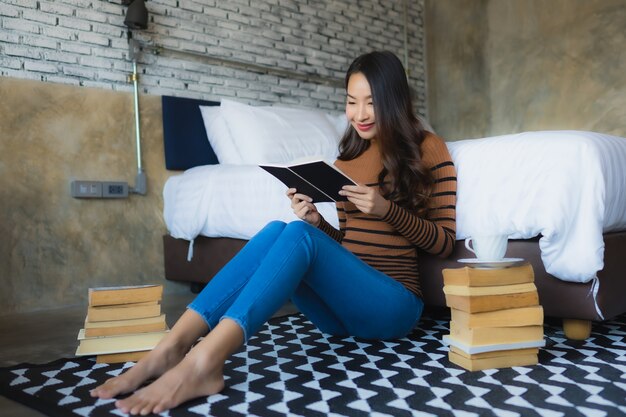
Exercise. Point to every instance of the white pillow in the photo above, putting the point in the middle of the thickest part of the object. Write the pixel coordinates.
(219, 135)
(340, 123)
(280, 134)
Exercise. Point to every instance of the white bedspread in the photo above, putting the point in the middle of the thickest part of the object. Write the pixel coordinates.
(567, 186)
(228, 201)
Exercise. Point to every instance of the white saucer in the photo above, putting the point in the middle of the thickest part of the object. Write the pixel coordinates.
(502, 263)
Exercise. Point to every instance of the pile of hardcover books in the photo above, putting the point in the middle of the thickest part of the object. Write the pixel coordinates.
(123, 323)
(496, 319)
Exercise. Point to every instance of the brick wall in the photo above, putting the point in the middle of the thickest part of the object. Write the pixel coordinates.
(84, 42)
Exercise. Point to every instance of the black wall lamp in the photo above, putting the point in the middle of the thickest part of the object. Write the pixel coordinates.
(136, 15)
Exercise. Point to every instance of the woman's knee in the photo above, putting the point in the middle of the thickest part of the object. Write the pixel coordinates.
(274, 225)
(297, 228)
(298, 225)
(279, 227)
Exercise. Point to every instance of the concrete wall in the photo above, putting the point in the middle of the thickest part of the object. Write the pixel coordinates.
(53, 246)
(505, 66)
(66, 112)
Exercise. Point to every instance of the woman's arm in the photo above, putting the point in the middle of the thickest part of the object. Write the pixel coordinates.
(435, 234)
(327, 228)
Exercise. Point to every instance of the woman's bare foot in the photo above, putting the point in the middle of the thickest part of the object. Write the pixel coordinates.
(198, 374)
(167, 354)
(195, 376)
(157, 362)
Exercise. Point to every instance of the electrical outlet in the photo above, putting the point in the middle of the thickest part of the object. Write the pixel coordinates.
(86, 189)
(114, 189)
(99, 189)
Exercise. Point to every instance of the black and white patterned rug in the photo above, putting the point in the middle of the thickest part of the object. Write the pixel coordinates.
(291, 369)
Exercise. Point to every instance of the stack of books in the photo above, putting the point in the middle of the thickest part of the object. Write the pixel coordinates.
(123, 323)
(496, 319)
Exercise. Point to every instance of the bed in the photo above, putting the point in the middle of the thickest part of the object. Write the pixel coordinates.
(560, 195)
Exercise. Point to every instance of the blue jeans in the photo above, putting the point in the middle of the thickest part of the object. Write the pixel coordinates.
(333, 288)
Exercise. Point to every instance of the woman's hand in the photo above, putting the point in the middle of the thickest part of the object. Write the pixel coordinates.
(366, 199)
(304, 208)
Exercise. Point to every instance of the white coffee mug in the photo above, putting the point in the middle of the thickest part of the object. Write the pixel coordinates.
(487, 247)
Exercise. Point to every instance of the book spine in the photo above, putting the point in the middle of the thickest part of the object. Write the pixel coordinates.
(510, 317)
(477, 304)
(119, 344)
(464, 290)
(493, 363)
(104, 314)
(477, 277)
(121, 357)
(495, 335)
(113, 331)
(103, 297)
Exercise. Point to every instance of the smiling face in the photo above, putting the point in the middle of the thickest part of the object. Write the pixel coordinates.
(360, 107)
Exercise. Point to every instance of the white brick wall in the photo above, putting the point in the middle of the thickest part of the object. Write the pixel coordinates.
(84, 42)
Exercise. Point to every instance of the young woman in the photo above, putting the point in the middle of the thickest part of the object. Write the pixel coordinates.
(360, 280)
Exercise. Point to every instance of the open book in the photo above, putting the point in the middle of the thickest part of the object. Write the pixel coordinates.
(317, 179)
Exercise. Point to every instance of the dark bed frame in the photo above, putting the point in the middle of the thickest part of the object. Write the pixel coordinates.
(186, 146)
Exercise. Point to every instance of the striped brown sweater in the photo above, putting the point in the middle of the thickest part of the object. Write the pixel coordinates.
(391, 243)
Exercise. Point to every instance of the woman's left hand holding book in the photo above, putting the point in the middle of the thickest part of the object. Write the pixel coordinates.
(303, 207)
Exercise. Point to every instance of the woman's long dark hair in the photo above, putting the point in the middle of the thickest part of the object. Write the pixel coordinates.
(404, 179)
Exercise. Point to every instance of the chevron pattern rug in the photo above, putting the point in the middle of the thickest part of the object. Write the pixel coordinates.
(292, 369)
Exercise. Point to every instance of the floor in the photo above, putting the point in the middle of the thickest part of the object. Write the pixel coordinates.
(43, 336)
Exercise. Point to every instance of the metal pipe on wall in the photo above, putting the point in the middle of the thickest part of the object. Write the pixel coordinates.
(140, 180)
